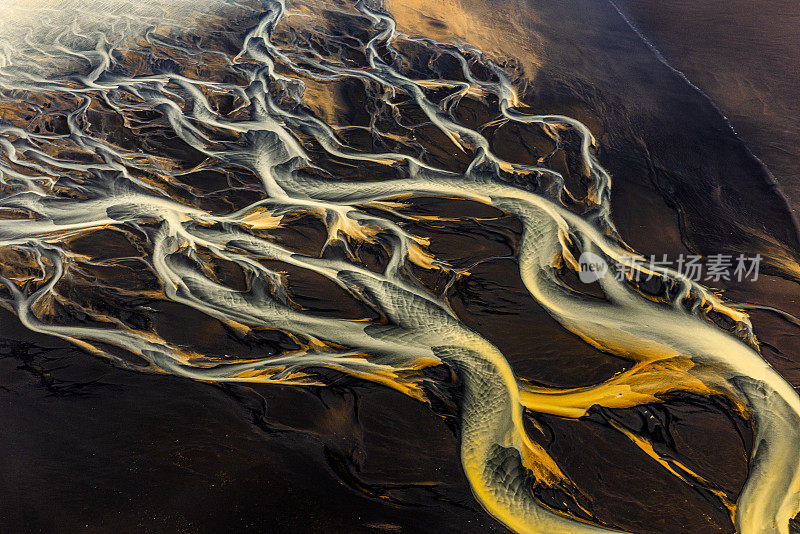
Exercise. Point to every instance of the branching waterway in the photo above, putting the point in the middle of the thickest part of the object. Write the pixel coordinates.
(275, 167)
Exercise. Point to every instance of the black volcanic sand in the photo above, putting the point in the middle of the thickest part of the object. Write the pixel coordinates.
(93, 448)
(666, 146)
(746, 57)
(661, 134)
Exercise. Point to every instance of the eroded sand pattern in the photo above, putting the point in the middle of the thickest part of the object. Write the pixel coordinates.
(278, 168)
